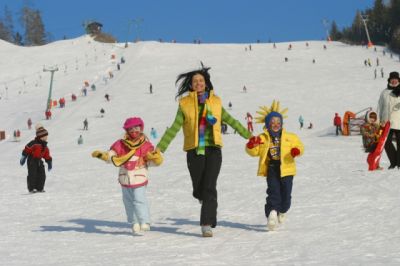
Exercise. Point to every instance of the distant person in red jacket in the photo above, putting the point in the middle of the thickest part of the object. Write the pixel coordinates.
(249, 119)
(48, 114)
(35, 151)
(337, 122)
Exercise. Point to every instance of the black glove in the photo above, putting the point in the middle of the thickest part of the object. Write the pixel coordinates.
(22, 160)
(49, 165)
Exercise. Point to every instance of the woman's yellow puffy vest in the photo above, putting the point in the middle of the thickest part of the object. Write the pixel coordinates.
(190, 110)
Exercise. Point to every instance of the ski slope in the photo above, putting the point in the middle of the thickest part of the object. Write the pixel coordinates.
(341, 214)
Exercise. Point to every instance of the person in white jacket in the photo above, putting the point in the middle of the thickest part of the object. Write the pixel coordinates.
(389, 110)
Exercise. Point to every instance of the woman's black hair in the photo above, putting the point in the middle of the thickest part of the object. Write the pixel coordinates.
(185, 80)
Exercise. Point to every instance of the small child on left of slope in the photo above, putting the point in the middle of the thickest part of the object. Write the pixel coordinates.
(34, 152)
(133, 154)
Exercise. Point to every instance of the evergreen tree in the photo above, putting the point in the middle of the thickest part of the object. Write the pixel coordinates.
(31, 20)
(334, 32)
(18, 39)
(6, 26)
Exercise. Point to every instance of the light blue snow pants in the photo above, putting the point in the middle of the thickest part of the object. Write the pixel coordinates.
(136, 207)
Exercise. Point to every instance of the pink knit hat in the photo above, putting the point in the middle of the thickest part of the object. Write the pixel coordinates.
(133, 122)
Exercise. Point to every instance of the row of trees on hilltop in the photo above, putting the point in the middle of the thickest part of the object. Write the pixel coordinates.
(32, 25)
(383, 21)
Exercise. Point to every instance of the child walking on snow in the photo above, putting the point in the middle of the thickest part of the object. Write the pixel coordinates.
(370, 131)
(35, 151)
(133, 154)
(276, 150)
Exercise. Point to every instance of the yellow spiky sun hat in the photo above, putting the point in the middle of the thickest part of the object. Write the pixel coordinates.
(266, 113)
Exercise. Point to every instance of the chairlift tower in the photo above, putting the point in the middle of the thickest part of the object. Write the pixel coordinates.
(51, 70)
(326, 24)
(364, 20)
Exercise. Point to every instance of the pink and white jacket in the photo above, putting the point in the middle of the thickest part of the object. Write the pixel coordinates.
(134, 172)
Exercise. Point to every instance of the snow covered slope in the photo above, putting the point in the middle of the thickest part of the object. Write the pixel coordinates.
(341, 214)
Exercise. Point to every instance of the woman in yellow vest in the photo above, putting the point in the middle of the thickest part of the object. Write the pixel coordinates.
(200, 114)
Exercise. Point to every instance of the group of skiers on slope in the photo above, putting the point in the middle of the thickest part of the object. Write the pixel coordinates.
(388, 110)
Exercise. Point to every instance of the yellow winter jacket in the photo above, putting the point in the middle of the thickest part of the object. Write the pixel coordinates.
(288, 141)
(190, 109)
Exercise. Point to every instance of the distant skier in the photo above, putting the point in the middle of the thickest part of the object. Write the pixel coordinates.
(249, 119)
(153, 133)
(48, 114)
(151, 88)
(29, 123)
(337, 122)
(118, 67)
(107, 97)
(102, 112)
(80, 140)
(34, 152)
(85, 124)
(230, 105)
(244, 89)
(301, 121)
(310, 126)
(224, 128)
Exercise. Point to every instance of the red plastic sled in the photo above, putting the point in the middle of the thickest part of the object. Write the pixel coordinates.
(374, 157)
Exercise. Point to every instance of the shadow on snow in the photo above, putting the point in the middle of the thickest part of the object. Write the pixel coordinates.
(91, 226)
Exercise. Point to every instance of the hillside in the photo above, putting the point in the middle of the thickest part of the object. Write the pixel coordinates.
(341, 214)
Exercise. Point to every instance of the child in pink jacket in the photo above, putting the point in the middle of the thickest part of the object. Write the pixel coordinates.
(133, 154)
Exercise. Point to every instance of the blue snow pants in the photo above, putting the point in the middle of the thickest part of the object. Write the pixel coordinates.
(279, 191)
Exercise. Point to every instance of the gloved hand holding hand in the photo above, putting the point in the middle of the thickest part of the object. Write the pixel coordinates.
(155, 156)
(102, 155)
(295, 152)
(254, 142)
(22, 160)
(49, 165)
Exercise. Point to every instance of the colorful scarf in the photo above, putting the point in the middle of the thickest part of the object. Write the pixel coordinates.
(206, 117)
(133, 145)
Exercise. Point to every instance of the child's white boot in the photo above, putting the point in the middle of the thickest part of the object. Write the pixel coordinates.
(135, 228)
(281, 217)
(206, 231)
(145, 227)
(272, 220)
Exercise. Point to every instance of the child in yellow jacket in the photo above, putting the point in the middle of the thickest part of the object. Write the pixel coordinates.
(276, 150)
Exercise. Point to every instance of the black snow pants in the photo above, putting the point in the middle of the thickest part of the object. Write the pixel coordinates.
(204, 171)
(36, 174)
(393, 153)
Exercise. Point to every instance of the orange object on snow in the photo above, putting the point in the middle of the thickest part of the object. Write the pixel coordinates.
(346, 122)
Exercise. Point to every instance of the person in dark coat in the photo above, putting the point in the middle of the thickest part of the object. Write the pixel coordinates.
(34, 152)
